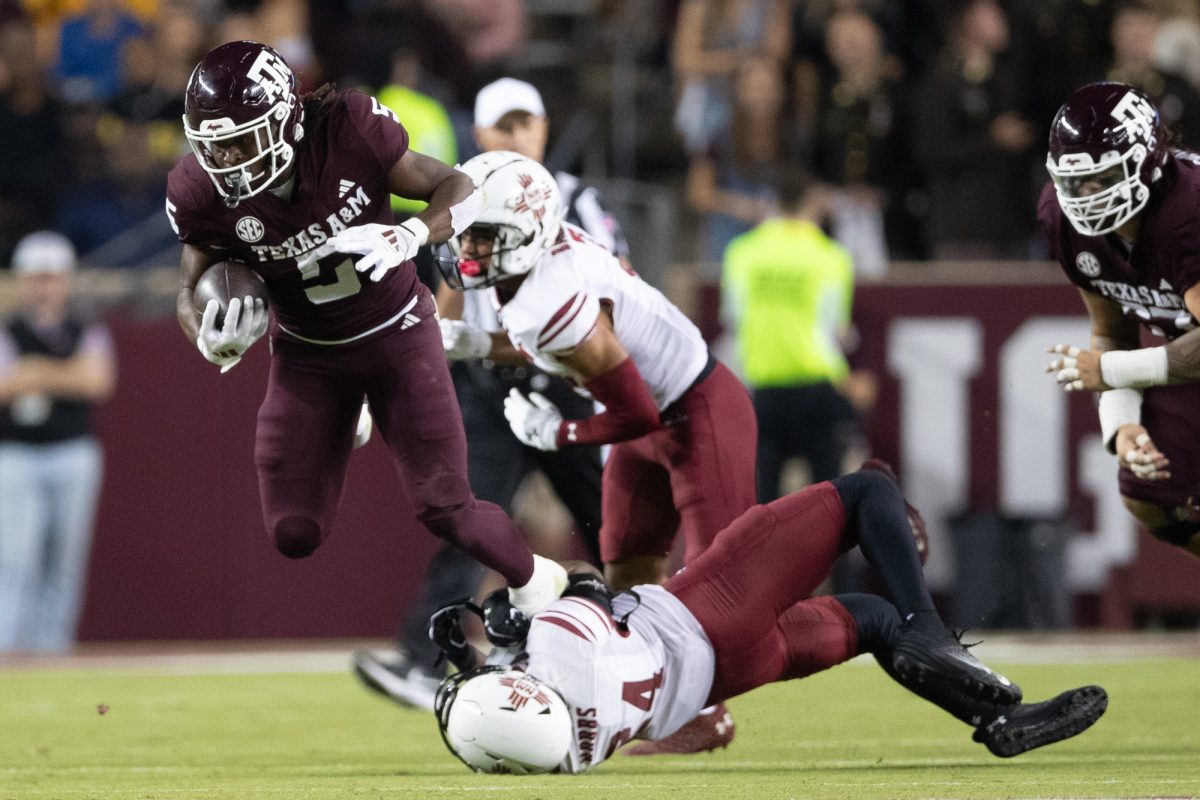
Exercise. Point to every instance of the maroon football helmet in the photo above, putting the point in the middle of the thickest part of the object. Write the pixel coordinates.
(242, 97)
(1107, 148)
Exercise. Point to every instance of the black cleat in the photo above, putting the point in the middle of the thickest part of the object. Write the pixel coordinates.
(400, 680)
(938, 667)
(1025, 727)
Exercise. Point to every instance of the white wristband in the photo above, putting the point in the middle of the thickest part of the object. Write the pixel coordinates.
(418, 229)
(1134, 369)
(1118, 407)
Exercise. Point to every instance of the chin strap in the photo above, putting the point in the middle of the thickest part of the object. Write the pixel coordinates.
(240, 184)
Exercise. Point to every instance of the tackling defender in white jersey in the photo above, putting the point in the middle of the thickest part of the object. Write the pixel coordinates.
(681, 425)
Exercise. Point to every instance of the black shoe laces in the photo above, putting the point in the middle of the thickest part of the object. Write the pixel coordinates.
(958, 637)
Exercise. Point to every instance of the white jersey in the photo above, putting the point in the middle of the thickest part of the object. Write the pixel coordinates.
(558, 306)
(644, 682)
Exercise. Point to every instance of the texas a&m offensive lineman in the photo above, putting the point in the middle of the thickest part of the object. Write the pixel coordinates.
(681, 425)
(592, 671)
(1120, 217)
(297, 188)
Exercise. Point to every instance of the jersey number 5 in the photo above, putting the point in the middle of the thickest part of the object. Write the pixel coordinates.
(323, 285)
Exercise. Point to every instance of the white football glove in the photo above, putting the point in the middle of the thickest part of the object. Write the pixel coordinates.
(240, 330)
(383, 247)
(463, 341)
(534, 423)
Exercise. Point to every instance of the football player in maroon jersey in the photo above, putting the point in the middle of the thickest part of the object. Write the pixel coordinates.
(297, 187)
(1120, 218)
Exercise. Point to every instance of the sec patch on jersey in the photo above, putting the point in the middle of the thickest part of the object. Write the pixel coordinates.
(224, 281)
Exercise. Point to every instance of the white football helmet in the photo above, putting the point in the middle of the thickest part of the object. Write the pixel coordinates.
(503, 720)
(523, 210)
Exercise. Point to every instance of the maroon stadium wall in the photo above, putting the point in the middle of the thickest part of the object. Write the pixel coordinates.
(964, 411)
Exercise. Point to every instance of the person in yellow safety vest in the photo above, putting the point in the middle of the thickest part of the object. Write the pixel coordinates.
(787, 288)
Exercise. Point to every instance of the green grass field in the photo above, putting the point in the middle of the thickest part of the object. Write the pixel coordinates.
(849, 733)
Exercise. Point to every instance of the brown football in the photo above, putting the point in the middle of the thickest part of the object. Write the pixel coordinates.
(224, 281)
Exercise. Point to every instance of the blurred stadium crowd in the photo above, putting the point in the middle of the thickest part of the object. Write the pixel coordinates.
(929, 116)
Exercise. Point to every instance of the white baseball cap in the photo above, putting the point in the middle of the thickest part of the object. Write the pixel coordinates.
(43, 252)
(505, 95)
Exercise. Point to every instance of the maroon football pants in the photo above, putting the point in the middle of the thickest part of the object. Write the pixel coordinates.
(693, 476)
(749, 590)
(306, 427)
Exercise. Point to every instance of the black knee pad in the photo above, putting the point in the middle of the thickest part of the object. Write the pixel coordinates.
(854, 487)
(1177, 533)
(875, 618)
(296, 537)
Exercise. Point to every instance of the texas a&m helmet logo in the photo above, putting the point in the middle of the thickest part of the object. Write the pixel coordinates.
(1136, 116)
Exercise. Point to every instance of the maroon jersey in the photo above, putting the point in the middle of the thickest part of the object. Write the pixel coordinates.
(1149, 282)
(339, 180)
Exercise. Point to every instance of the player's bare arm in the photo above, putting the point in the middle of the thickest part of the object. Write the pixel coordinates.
(1116, 362)
(602, 364)
(420, 177)
(450, 303)
(192, 263)
(600, 352)
(453, 201)
(1119, 409)
(1183, 354)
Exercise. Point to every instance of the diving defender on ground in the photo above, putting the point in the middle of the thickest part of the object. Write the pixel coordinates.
(593, 671)
(298, 189)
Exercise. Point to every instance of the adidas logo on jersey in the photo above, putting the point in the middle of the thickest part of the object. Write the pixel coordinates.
(345, 187)
(409, 321)
(1164, 286)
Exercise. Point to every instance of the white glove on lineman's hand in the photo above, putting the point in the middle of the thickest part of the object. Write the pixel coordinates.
(534, 423)
(463, 341)
(383, 247)
(225, 347)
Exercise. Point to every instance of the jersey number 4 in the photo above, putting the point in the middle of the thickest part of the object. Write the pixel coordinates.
(640, 694)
